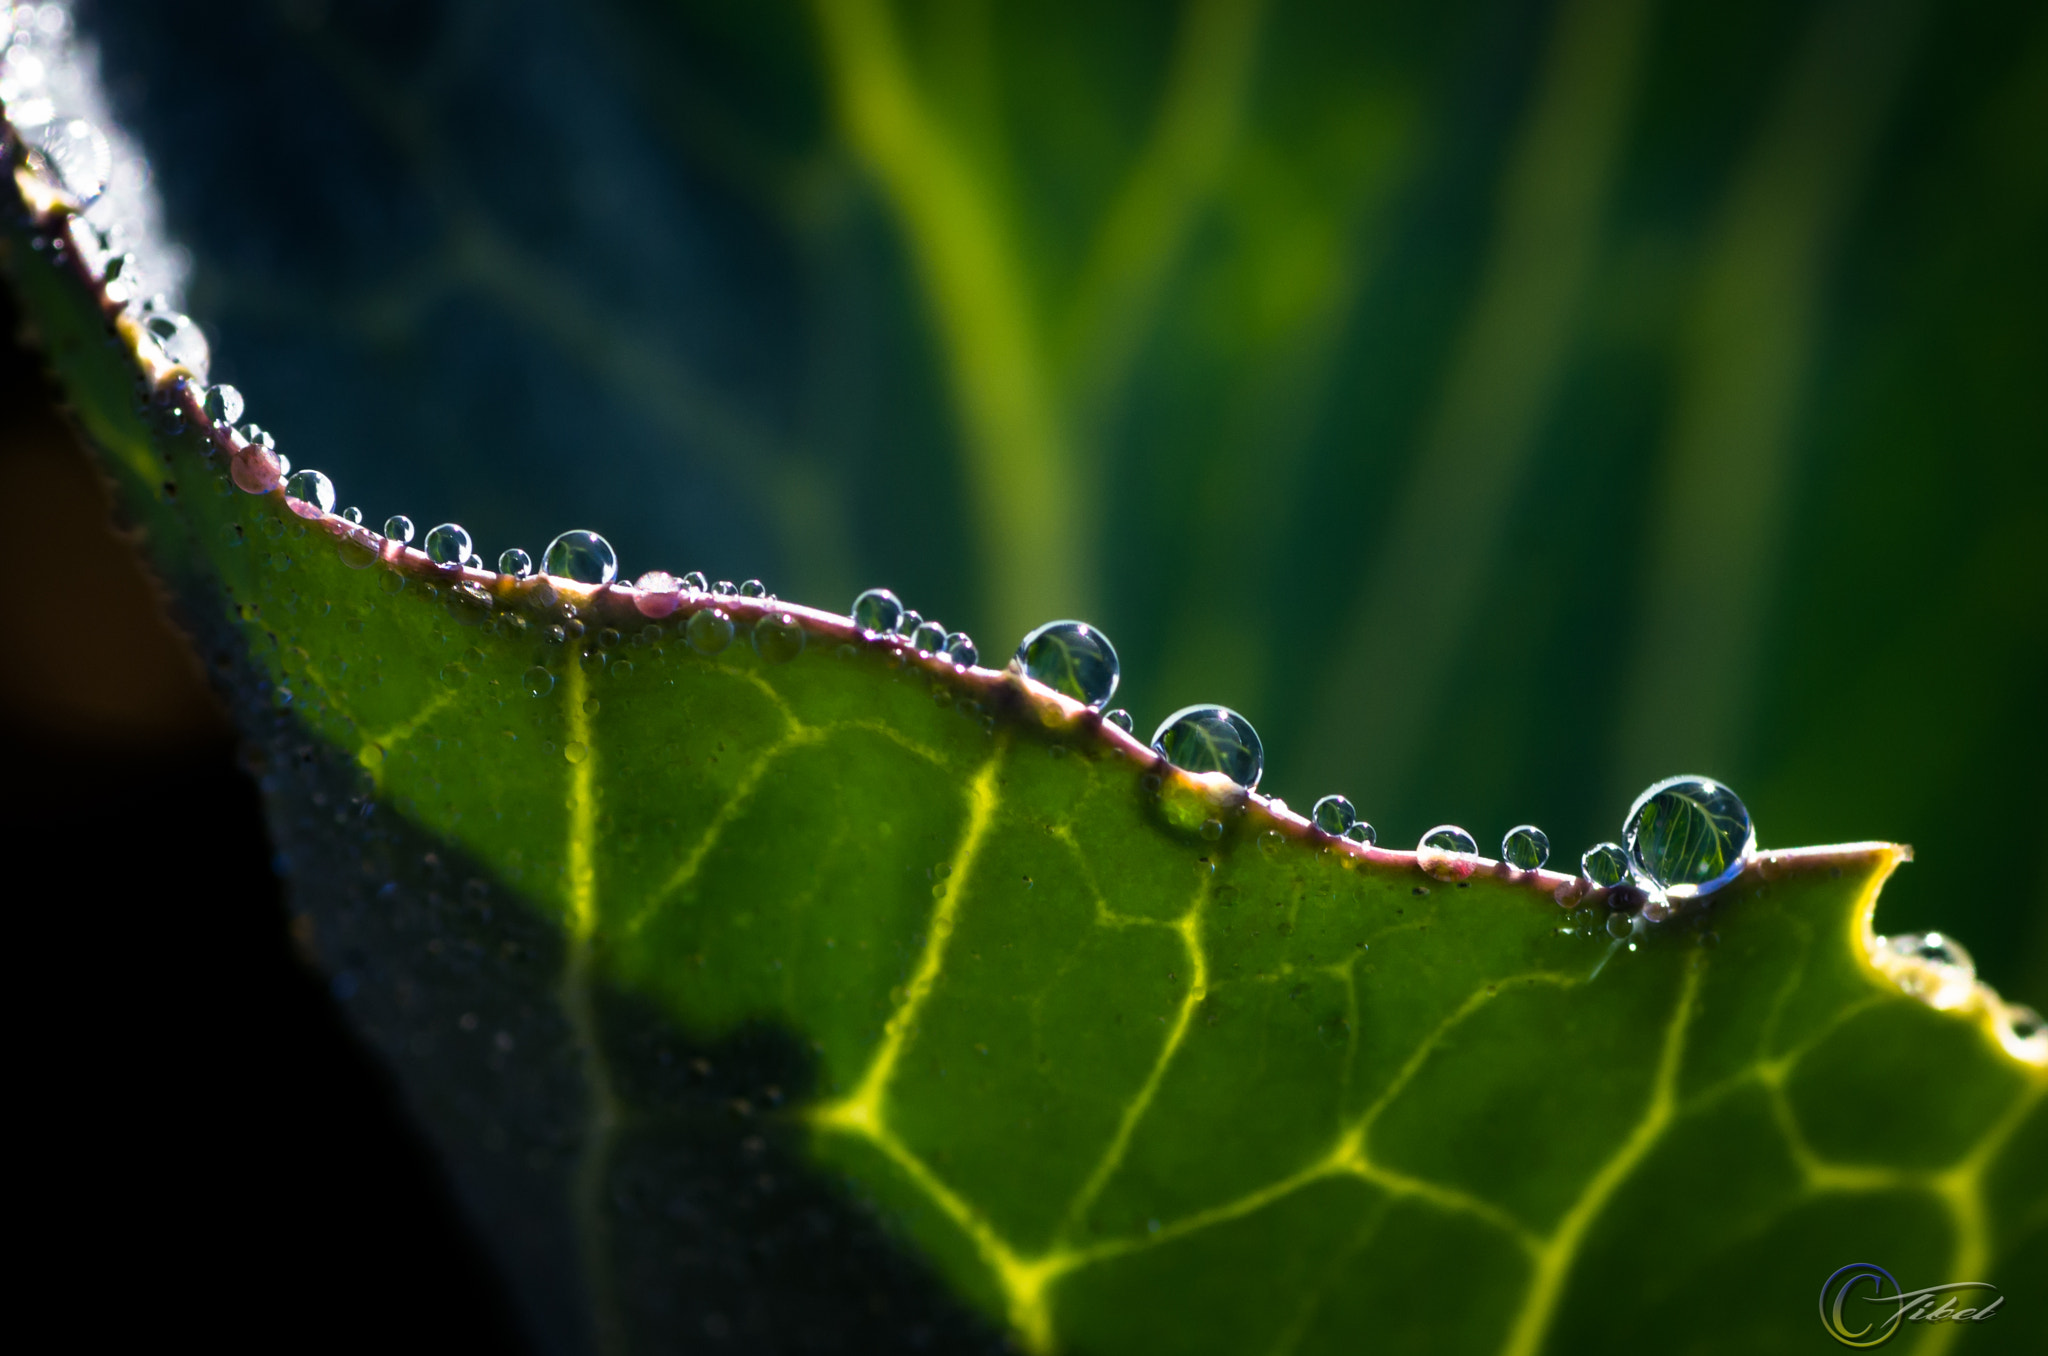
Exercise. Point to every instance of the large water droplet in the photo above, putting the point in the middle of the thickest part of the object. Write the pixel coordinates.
(1525, 848)
(310, 487)
(79, 156)
(448, 544)
(778, 637)
(656, 594)
(1447, 852)
(1333, 815)
(223, 405)
(929, 637)
(877, 610)
(515, 562)
(181, 340)
(1075, 659)
(960, 649)
(709, 630)
(1605, 864)
(1194, 738)
(1689, 835)
(255, 470)
(582, 556)
(399, 528)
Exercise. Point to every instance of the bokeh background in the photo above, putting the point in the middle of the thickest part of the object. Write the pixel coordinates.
(1503, 403)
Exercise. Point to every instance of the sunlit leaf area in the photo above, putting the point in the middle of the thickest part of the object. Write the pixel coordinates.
(532, 835)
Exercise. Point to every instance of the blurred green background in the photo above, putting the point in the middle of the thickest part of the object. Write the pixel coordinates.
(1502, 404)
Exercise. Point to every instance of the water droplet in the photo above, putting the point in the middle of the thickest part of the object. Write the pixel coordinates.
(1121, 719)
(1194, 738)
(2023, 1033)
(1526, 848)
(929, 637)
(657, 594)
(254, 434)
(515, 562)
(223, 405)
(876, 610)
(960, 649)
(255, 471)
(1690, 835)
(1447, 852)
(1333, 814)
(1362, 832)
(1212, 829)
(778, 637)
(575, 751)
(582, 556)
(1628, 898)
(725, 588)
(1620, 925)
(356, 552)
(753, 588)
(621, 668)
(1605, 864)
(454, 675)
(352, 515)
(1931, 966)
(1075, 659)
(695, 582)
(447, 544)
(709, 630)
(539, 682)
(78, 154)
(310, 487)
(181, 340)
(398, 527)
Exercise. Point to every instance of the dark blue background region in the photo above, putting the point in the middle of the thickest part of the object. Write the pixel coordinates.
(532, 266)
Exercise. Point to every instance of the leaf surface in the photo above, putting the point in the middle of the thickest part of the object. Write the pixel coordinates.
(1120, 1083)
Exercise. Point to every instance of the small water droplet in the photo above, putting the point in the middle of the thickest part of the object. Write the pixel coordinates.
(725, 588)
(876, 610)
(581, 555)
(181, 340)
(454, 675)
(1605, 864)
(657, 594)
(1620, 925)
(448, 544)
(311, 488)
(352, 516)
(960, 649)
(515, 562)
(1204, 738)
(929, 637)
(1212, 829)
(356, 552)
(253, 433)
(1525, 848)
(695, 582)
(1075, 659)
(575, 751)
(1626, 898)
(709, 630)
(1121, 719)
(621, 668)
(393, 582)
(778, 637)
(1333, 814)
(1932, 966)
(539, 682)
(2023, 1033)
(1447, 852)
(399, 528)
(79, 156)
(1362, 832)
(255, 470)
(1689, 835)
(223, 405)
(753, 588)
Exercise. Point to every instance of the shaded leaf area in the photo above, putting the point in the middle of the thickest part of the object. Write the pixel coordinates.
(1683, 336)
(961, 951)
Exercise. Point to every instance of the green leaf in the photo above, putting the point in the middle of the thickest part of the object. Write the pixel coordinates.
(1118, 1082)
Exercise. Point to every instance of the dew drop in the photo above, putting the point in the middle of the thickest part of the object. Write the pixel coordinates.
(1121, 719)
(581, 555)
(454, 675)
(255, 471)
(657, 594)
(1076, 660)
(539, 682)
(725, 588)
(181, 340)
(1196, 738)
(1212, 829)
(1333, 815)
(929, 637)
(448, 544)
(778, 637)
(355, 552)
(709, 630)
(223, 405)
(960, 649)
(1525, 848)
(753, 588)
(1447, 852)
(398, 527)
(1362, 832)
(312, 488)
(78, 154)
(1605, 864)
(1931, 966)
(695, 582)
(876, 610)
(575, 751)
(515, 562)
(254, 434)
(1620, 925)
(1627, 898)
(1689, 835)
(352, 516)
